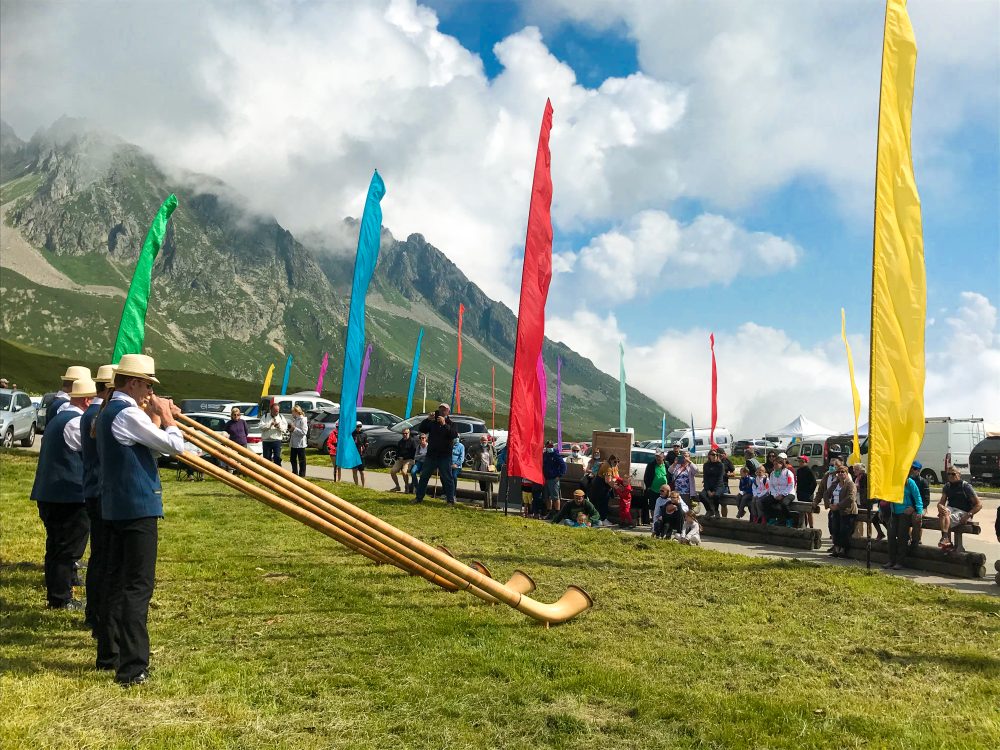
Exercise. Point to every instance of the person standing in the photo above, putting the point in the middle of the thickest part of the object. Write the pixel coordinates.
(418, 460)
(361, 443)
(272, 429)
(440, 431)
(297, 440)
(575, 457)
(457, 461)
(728, 472)
(843, 503)
(684, 474)
(653, 478)
(553, 467)
(133, 429)
(805, 486)
(331, 449)
(58, 490)
(61, 398)
(486, 459)
(98, 561)
(236, 430)
(904, 515)
(406, 449)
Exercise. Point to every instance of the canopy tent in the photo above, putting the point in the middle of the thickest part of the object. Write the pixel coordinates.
(800, 427)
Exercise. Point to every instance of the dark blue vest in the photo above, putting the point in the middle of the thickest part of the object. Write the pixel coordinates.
(51, 409)
(59, 476)
(91, 459)
(130, 482)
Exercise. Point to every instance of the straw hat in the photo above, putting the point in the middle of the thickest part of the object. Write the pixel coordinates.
(82, 388)
(138, 366)
(75, 372)
(106, 373)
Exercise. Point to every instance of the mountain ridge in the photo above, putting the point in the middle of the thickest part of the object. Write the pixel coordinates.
(234, 290)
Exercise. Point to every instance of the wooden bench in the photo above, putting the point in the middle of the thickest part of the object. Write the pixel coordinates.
(925, 557)
(491, 478)
(927, 522)
(780, 536)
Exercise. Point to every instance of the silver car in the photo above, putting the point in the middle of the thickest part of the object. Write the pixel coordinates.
(18, 418)
(321, 423)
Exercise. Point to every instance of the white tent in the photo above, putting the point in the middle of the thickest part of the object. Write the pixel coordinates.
(800, 427)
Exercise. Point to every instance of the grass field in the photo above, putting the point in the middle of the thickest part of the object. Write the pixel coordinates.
(266, 634)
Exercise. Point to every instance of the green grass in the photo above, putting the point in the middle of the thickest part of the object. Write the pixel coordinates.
(89, 269)
(266, 634)
(26, 185)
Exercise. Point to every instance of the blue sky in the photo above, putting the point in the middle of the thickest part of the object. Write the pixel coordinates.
(712, 161)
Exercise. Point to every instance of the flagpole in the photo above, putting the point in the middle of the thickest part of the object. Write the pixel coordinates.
(424, 409)
(871, 319)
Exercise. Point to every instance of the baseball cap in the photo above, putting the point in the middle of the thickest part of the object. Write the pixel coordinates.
(803, 460)
(577, 493)
(549, 444)
(782, 455)
(916, 465)
(357, 424)
(444, 406)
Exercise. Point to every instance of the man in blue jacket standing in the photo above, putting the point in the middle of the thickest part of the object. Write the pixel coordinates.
(904, 515)
(58, 490)
(132, 430)
(553, 467)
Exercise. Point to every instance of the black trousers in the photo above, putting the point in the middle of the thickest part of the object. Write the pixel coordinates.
(899, 536)
(298, 458)
(66, 527)
(98, 562)
(843, 528)
(122, 635)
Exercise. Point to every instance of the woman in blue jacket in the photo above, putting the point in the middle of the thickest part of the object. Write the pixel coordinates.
(457, 459)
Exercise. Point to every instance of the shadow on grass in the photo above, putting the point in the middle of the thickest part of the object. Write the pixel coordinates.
(980, 664)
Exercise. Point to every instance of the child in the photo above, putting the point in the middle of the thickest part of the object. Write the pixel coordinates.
(582, 519)
(671, 516)
(331, 448)
(624, 493)
(743, 501)
(691, 532)
(761, 491)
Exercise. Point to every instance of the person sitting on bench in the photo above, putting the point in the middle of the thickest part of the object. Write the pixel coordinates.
(781, 489)
(670, 517)
(713, 483)
(958, 504)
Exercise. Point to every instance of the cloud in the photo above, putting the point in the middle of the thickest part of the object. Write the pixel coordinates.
(766, 378)
(625, 261)
(792, 92)
(294, 105)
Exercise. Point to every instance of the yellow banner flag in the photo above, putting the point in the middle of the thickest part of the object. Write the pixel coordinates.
(856, 452)
(267, 381)
(899, 284)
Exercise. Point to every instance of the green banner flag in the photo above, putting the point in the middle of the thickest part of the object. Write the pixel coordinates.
(132, 327)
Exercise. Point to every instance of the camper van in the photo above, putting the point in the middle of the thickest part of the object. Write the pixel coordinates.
(702, 437)
(948, 442)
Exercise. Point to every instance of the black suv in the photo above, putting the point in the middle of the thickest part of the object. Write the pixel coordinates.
(382, 441)
(984, 461)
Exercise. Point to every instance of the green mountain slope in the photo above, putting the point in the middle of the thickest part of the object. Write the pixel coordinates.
(233, 291)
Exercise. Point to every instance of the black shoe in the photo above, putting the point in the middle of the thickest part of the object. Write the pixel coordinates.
(73, 605)
(140, 679)
(416, 500)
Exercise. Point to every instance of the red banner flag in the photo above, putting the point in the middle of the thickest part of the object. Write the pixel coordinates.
(527, 430)
(458, 365)
(493, 398)
(715, 393)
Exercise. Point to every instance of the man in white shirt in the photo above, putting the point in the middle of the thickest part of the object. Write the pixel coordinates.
(272, 429)
(132, 430)
(58, 490)
(61, 398)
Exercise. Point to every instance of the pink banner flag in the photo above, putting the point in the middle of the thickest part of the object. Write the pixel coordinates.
(322, 372)
(364, 374)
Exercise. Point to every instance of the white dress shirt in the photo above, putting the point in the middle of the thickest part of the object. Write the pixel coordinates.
(71, 432)
(133, 425)
(273, 427)
(300, 426)
(61, 394)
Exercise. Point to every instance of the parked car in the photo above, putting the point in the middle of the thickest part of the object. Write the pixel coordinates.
(247, 408)
(723, 438)
(308, 400)
(984, 461)
(382, 441)
(192, 405)
(760, 445)
(817, 448)
(216, 422)
(640, 458)
(42, 411)
(18, 418)
(321, 423)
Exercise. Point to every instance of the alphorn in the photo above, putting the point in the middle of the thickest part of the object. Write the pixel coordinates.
(574, 601)
(429, 570)
(316, 505)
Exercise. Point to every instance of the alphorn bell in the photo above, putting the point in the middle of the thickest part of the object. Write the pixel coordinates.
(572, 603)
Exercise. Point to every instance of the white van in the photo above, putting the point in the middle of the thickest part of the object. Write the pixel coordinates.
(948, 442)
(308, 400)
(703, 440)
